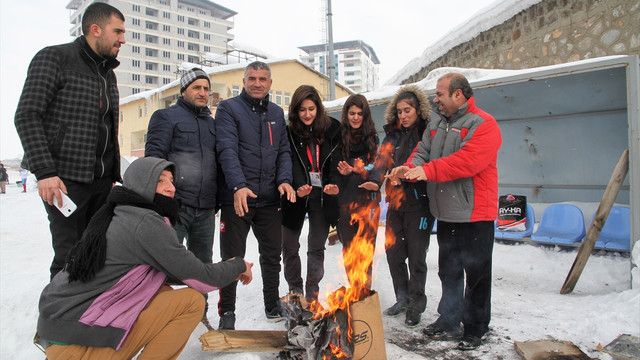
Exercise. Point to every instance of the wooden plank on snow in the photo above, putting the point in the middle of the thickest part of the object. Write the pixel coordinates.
(549, 350)
(244, 340)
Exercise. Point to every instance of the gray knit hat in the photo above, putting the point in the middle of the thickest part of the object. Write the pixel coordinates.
(192, 75)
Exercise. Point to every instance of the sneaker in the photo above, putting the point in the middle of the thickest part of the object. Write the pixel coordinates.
(227, 321)
(395, 309)
(469, 342)
(275, 313)
(206, 323)
(441, 330)
(413, 318)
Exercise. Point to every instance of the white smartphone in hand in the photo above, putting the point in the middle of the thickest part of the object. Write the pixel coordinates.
(68, 206)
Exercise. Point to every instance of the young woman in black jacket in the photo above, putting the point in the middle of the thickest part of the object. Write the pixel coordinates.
(314, 139)
(359, 147)
(409, 222)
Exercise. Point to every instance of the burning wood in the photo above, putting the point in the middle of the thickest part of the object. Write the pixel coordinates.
(330, 333)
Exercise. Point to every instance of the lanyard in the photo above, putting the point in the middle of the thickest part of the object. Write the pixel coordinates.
(314, 166)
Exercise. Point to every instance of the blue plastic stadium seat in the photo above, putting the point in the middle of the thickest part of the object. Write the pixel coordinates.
(518, 235)
(560, 224)
(616, 232)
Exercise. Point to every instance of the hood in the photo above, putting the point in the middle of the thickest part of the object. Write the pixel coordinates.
(390, 115)
(143, 174)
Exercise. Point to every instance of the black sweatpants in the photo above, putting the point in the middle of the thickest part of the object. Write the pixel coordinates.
(466, 249)
(407, 240)
(266, 225)
(67, 231)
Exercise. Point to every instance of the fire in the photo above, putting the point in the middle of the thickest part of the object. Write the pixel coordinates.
(337, 353)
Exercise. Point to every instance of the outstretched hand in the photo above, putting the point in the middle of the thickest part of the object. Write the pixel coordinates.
(240, 200)
(246, 277)
(369, 185)
(285, 188)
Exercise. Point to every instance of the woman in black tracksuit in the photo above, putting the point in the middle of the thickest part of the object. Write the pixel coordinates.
(409, 221)
(314, 139)
(359, 147)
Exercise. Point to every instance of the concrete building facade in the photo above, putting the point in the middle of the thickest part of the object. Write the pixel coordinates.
(161, 35)
(356, 63)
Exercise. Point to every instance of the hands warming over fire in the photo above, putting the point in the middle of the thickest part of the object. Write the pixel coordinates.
(369, 185)
(345, 169)
(246, 277)
(240, 200)
(304, 190)
(331, 189)
(285, 188)
(406, 173)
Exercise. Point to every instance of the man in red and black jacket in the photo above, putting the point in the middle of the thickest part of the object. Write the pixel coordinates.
(457, 157)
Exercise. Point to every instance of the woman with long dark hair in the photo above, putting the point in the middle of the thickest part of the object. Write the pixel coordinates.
(314, 139)
(359, 142)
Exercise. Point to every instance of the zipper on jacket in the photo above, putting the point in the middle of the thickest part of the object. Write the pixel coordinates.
(106, 140)
(270, 134)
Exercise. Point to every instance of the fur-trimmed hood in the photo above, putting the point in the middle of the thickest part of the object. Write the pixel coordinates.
(391, 115)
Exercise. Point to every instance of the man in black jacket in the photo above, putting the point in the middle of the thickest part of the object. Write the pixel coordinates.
(185, 135)
(67, 120)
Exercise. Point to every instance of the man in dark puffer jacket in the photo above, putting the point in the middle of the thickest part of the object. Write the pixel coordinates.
(255, 163)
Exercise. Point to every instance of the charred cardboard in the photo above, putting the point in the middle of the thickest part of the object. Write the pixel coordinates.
(368, 335)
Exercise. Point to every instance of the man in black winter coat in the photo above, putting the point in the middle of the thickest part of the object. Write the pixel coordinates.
(67, 121)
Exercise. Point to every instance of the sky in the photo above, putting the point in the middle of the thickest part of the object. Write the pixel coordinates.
(526, 300)
(398, 31)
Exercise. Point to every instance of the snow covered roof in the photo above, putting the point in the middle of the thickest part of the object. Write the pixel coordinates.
(490, 16)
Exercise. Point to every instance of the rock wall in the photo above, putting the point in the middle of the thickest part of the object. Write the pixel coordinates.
(550, 32)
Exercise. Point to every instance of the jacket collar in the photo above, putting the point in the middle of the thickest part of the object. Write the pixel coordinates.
(108, 63)
(257, 105)
(192, 108)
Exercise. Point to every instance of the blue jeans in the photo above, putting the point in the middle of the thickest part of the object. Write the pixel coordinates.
(197, 226)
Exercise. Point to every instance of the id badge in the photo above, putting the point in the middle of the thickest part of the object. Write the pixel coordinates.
(316, 180)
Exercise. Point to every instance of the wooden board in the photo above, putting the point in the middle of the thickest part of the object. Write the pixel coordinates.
(549, 350)
(244, 341)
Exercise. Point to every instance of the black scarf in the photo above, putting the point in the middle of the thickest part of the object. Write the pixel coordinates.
(89, 254)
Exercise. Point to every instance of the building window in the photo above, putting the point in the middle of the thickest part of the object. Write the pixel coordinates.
(193, 47)
(349, 73)
(135, 21)
(151, 52)
(193, 59)
(136, 8)
(207, 24)
(207, 36)
(180, 43)
(135, 63)
(207, 48)
(181, 18)
(166, 67)
(121, 139)
(166, 54)
(349, 65)
(135, 35)
(152, 12)
(235, 90)
(135, 49)
(166, 28)
(180, 56)
(278, 99)
(166, 15)
(135, 77)
(287, 98)
(121, 117)
(166, 81)
(193, 34)
(151, 66)
(194, 22)
(139, 108)
(151, 39)
(151, 25)
(166, 41)
(180, 31)
(202, 12)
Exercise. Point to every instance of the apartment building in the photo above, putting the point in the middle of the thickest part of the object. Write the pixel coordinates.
(161, 35)
(356, 63)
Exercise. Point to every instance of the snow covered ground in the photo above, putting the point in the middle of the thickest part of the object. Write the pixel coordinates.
(527, 304)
